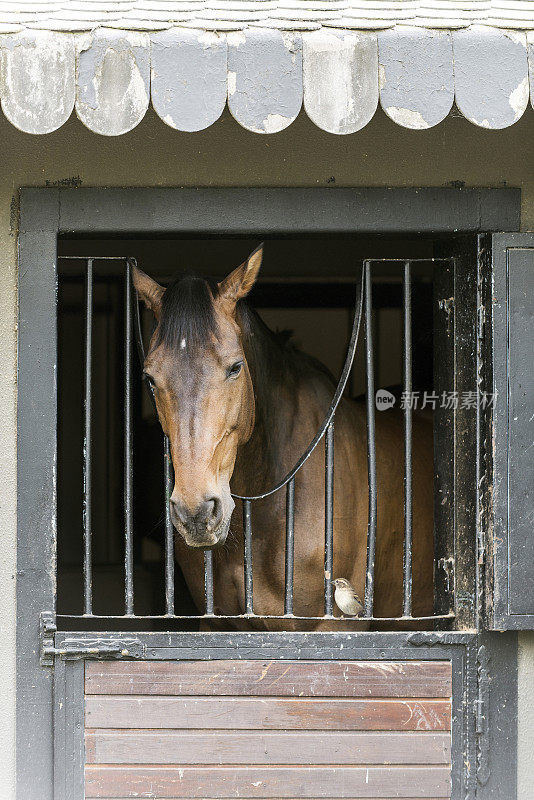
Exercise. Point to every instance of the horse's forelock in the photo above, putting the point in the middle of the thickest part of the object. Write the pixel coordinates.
(187, 318)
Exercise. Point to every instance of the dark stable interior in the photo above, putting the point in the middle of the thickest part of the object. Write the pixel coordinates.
(305, 285)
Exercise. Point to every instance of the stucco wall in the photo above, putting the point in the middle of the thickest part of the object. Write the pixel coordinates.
(227, 155)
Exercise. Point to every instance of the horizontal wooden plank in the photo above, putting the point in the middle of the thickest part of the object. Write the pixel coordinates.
(265, 747)
(111, 711)
(271, 782)
(281, 678)
(159, 797)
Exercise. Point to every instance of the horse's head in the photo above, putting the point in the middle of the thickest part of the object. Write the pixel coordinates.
(203, 390)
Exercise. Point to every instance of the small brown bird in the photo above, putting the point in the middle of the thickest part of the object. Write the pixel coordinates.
(346, 598)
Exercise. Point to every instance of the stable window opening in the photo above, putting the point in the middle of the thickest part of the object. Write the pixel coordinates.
(377, 311)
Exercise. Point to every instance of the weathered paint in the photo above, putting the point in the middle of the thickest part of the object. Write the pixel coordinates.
(416, 76)
(340, 79)
(37, 79)
(490, 76)
(113, 80)
(267, 72)
(264, 79)
(188, 70)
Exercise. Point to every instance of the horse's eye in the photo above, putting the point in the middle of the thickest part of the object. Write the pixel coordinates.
(150, 379)
(234, 370)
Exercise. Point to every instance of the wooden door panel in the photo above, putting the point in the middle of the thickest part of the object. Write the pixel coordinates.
(268, 729)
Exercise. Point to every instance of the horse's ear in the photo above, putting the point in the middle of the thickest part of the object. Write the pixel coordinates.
(239, 282)
(148, 290)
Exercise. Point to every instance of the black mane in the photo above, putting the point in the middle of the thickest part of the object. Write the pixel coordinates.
(187, 313)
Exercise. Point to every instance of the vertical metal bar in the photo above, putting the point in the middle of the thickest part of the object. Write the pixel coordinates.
(208, 580)
(290, 547)
(328, 519)
(169, 536)
(87, 446)
(128, 466)
(407, 565)
(247, 559)
(371, 445)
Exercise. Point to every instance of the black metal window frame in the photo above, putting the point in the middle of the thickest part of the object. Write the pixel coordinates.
(46, 214)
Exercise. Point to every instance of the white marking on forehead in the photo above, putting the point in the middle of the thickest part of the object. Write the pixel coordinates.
(183, 344)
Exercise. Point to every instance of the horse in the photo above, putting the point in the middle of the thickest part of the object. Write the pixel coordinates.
(239, 405)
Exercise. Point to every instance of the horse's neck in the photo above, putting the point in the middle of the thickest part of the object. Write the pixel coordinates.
(278, 373)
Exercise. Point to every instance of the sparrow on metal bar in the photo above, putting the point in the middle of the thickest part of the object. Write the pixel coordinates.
(346, 598)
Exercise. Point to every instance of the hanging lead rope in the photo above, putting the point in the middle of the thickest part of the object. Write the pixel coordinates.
(349, 359)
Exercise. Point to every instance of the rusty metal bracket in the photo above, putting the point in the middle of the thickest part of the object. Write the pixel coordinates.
(82, 648)
(431, 638)
(75, 649)
(481, 716)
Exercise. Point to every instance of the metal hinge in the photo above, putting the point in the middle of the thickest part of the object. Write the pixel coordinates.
(481, 716)
(82, 648)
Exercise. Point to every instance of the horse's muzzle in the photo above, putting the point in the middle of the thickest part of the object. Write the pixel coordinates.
(206, 527)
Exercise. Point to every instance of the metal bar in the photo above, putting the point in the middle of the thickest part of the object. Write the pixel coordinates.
(371, 446)
(169, 535)
(407, 564)
(208, 581)
(290, 547)
(450, 615)
(247, 556)
(87, 447)
(328, 518)
(338, 280)
(128, 465)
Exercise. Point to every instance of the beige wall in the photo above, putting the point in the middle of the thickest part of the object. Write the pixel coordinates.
(383, 154)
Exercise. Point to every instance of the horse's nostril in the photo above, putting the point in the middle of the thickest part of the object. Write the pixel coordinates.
(207, 508)
(213, 512)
